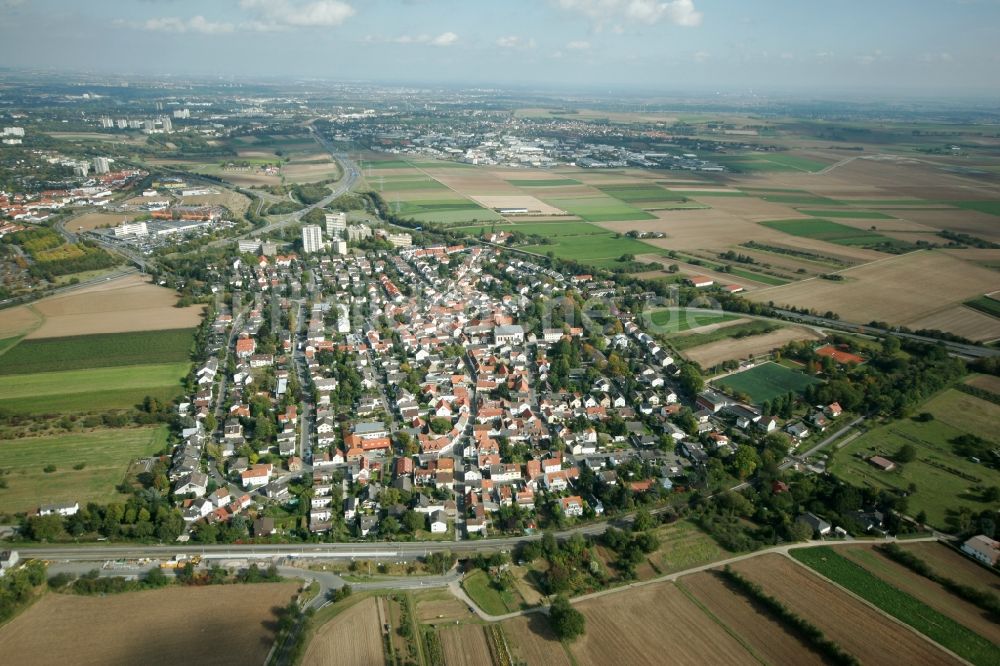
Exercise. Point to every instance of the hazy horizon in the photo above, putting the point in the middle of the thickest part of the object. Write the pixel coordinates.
(881, 49)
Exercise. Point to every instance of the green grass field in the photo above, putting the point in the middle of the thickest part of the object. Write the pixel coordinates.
(752, 162)
(831, 232)
(691, 340)
(551, 182)
(585, 243)
(406, 183)
(805, 199)
(105, 454)
(642, 194)
(445, 211)
(385, 164)
(849, 213)
(477, 586)
(984, 304)
(905, 608)
(766, 382)
(97, 351)
(990, 207)
(96, 389)
(677, 320)
(944, 479)
(683, 545)
(599, 209)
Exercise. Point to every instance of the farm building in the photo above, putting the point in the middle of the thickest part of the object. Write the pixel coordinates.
(983, 548)
(700, 281)
(815, 522)
(883, 464)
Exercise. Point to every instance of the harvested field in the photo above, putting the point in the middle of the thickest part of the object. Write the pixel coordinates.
(862, 631)
(767, 636)
(125, 304)
(444, 609)
(92, 221)
(963, 321)
(18, 321)
(890, 291)
(228, 624)
(958, 567)
(989, 383)
(975, 223)
(531, 641)
(630, 629)
(352, 638)
(925, 590)
(533, 204)
(715, 353)
(465, 645)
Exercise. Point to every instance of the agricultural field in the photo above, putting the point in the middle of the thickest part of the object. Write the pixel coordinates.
(599, 209)
(644, 195)
(831, 232)
(767, 637)
(690, 340)
(91, 221)
(944, 479)
(217, 625)
(104, 455)
(766, 382)
(986, 304)
(120, 305)
(960, 568)
(751, 346)
(886, 290)
(924, 590)
(443, 211)
(860, 630)
(532, 642)
(683, 545)
(849, 213)
(902, 606)
(544, 182)
(677, 320)
(91, 389)
(352, 638)
(465, 645)
(97, 351)
(629, 629)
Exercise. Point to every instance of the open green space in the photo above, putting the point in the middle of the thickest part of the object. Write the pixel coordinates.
(984, 304)
(104, 455)
(831, 232)
(703, 193)
(691, 340)
(751, 162)
(945, 480)
(600, 209)
(584, 242)
(97, 351)
(990, 207)
(549, 182)
(385, 164)
(444, 211)
(900, 605)
(676, 320)
(495, 602)
(407, 183)
(683, 545)
(643, 194)
(766, 382)
(804, 199)
(96, 389)
(850, 213)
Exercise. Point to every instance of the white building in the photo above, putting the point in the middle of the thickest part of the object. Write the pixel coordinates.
(343, 318)
(182, 114)
(131, 229)
(400, 240)
(312, 238)
(102, 165)
(513, 333)
(63, 509)
(339, 246)
(13, 131)
(336, 224)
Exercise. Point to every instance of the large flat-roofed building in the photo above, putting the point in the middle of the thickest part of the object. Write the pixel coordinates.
(336, 224)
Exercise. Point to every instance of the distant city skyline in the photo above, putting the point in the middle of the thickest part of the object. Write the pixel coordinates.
(890, 46)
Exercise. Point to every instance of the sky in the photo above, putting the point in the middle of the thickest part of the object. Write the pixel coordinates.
(934, 48)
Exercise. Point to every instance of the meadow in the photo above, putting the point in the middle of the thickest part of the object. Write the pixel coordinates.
(97, 351)
(103, 454)
(766, 382)
(599, 209)
(905, 608)
(645, 195)
(691, 340)
(944, 480)
(675, 320)
(90, 389)
(831, 232)
(443, 211)
(495, 602)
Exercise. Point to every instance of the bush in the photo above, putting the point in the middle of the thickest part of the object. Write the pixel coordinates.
(567, 622)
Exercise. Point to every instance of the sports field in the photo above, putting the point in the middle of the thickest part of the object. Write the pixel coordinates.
(92, 389)
(104, 454)
(945, 480)
(97, 351)
(766, 382)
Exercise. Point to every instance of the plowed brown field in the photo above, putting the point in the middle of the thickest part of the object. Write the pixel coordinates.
(353, 638)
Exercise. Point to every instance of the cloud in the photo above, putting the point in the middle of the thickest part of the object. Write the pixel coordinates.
(936, 57)
(701, 56)
(278, 14)
(444, 39)
(579, 45)
(515, 42)
(649, 12)
(194, 24)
